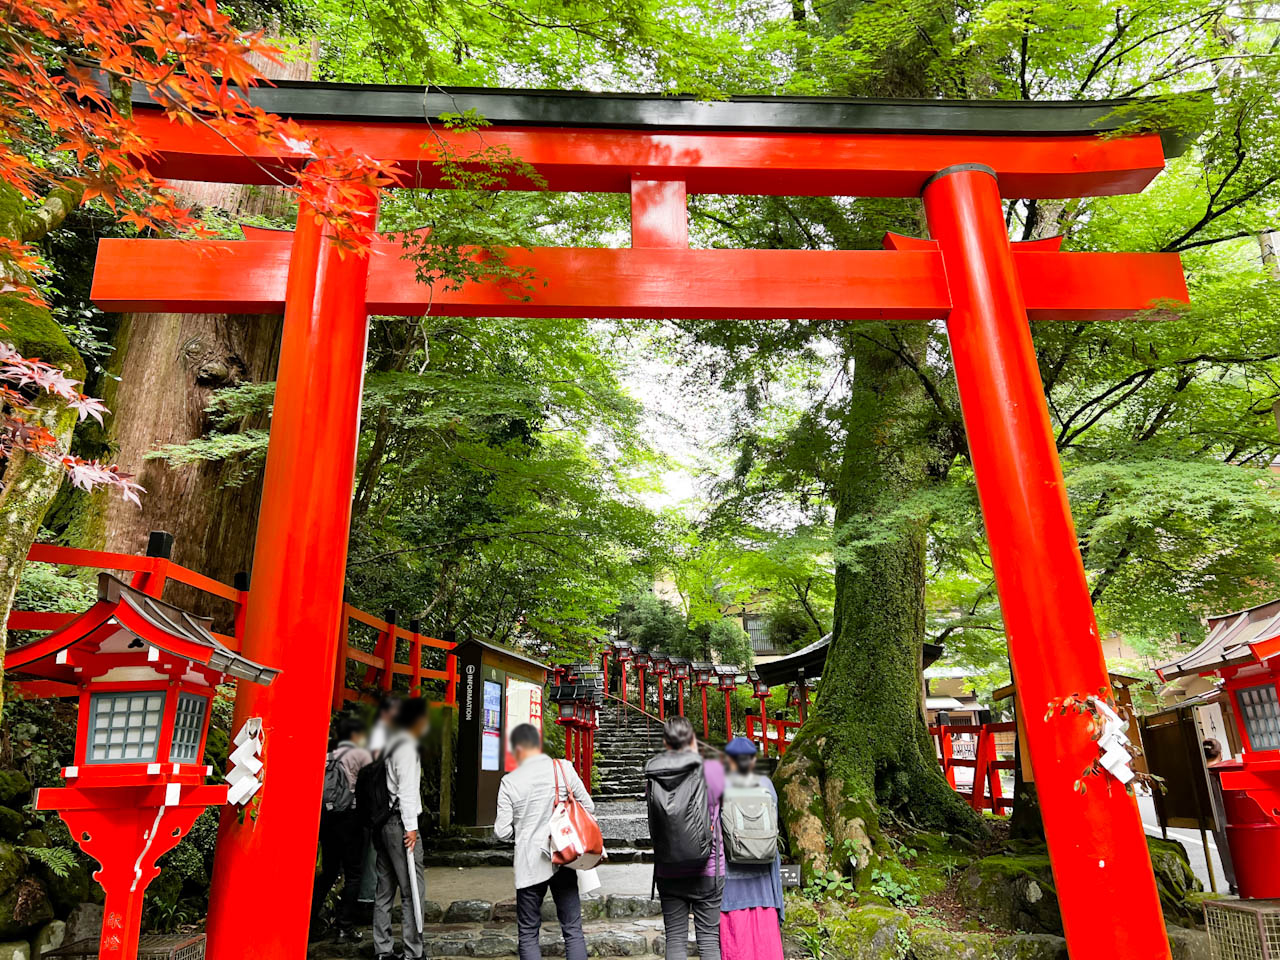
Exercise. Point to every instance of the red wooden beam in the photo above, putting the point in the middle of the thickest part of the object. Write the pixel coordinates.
(248, 276)
(763, 163)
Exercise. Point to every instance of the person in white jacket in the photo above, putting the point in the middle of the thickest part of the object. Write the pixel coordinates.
(526, 800)
(397, 842)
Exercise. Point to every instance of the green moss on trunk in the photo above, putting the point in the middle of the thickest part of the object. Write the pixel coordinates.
(866, 749)
(29, 482)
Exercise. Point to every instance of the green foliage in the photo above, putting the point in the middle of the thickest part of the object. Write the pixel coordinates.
(730, 643)
(43, 588)
(59, 860)
(648, 622)
(900, 890)
(829, 885)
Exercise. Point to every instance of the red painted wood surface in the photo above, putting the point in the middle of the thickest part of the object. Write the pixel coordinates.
(599, 160)
(986, 764)
(249, 276)
(299, 569)
(659, 213)
(127, 829)
(1096, 840)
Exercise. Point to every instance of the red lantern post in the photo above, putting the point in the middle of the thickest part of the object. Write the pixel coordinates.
(582, 723)
(593, 724)
(760, 690)
(702, 672)
(728, 683)
(680, 670)
(623, 653)
(642, 664)
(145, 673)
(565, 719)
(661, 670)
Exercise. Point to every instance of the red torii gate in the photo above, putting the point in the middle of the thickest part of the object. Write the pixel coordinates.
(961, 157)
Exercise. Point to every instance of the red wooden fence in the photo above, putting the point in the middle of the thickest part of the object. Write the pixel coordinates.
(150, 574)
(986, 793)
(760, 733)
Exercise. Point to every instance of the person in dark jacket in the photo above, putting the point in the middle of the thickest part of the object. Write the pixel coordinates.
(693, 887)
(751, 909)
(342, 837)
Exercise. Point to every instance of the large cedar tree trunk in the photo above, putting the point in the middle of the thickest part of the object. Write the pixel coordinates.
(865, 749)
(164, 371)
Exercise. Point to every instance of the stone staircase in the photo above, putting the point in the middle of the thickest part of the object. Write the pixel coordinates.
(625, 741)
(614, 926)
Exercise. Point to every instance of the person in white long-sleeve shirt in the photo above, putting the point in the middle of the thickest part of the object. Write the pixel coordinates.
(397, 842)
(526, 800)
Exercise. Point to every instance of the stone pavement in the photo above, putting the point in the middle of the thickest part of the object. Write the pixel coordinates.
(447, 884)
(615, 925)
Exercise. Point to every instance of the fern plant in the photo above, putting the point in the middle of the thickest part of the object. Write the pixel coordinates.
(59, 860)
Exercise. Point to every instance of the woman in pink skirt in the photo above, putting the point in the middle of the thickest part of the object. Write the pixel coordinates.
(751, 908)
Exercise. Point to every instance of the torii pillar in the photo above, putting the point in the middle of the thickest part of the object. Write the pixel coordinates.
(260, 896)
(1053, 638)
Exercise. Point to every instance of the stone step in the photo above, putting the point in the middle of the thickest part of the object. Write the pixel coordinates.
(616, 926)
(618, 849)
(492, 940)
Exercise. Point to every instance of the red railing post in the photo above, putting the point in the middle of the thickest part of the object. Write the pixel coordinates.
(981, 766)
(1101, 866)
(415, 658)
(451, 680)
(387, 651)
(340, 667)
(945, 753)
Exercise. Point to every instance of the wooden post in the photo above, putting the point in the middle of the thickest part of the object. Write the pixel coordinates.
(446, 764)
(415, 658)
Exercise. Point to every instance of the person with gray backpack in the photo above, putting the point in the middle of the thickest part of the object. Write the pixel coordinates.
(751, 907)
(683, 796)
(342, 834)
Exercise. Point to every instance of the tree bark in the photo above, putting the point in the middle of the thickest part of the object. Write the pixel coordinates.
(164, 371)
(865, 750)
(30, 483)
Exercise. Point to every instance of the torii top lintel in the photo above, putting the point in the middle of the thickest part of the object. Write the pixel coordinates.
(660, 150)
(801, 146)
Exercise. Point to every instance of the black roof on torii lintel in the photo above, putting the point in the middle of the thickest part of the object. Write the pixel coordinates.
(373, 103)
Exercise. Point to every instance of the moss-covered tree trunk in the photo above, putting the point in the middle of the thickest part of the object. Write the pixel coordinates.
(865, 749)
(29, 483)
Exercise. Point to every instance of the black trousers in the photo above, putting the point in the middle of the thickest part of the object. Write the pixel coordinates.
(564, 891)
(698, 897)
(342, 846)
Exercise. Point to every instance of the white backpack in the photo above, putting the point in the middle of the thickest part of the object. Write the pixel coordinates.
(748, 820)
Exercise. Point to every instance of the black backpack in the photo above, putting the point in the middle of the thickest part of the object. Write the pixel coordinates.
(338, 795)
(679, 821)
(373, 798)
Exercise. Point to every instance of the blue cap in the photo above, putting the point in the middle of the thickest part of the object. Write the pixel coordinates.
(740, 747)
